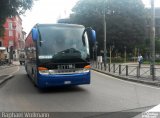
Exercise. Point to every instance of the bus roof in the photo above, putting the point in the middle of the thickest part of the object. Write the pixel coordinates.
(60, 25)
(57, 25)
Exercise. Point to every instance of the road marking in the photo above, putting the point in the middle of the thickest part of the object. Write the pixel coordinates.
(15, 71)
(152, 113)
(127, 81)
(155, 109)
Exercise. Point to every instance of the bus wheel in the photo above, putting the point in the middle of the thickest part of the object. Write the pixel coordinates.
(35, 85)
(35, 82)
(28, 76)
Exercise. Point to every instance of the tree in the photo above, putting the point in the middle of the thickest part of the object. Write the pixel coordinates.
(125, 21)
(11, 8)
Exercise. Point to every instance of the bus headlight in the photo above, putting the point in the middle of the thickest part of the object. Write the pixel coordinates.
(43, 70)
(87, 68)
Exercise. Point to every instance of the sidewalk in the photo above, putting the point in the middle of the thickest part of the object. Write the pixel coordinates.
(120, 73)
(4, 78)
(14, 63)
(136, 63)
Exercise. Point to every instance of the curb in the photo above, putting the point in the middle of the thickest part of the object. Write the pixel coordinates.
(129, 79)
(5, 79)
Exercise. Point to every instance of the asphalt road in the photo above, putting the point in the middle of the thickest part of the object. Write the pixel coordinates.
(105, 94)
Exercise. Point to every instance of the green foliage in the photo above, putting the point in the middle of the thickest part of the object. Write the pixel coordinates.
(125, 21)
(12, 8)
(145, 47)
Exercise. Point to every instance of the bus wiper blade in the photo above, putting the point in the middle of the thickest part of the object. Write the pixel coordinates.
(48, 63)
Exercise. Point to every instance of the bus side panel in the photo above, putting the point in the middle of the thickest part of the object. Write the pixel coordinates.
(31, 70)
(30, 61)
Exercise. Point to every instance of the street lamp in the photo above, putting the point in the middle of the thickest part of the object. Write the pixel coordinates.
(110, 50)
(152, 39)
(104, 24)
(125, 54)
(135, 54)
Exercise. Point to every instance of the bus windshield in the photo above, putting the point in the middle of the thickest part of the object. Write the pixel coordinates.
(62, 44)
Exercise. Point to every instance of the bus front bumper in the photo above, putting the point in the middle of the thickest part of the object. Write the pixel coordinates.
(52, 80)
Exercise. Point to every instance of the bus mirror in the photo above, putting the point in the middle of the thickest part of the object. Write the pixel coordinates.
(34, 34)
(93, 36)
(91, 33)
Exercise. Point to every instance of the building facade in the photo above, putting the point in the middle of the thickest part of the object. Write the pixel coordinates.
(13, 35)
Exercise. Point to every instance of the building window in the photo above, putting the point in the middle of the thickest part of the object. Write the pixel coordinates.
(10, 25)
(10, 43)
(10, 33)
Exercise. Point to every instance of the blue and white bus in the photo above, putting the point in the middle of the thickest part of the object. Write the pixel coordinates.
(58, 54)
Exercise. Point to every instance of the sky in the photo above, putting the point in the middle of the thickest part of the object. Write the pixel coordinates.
(147, 3)
(48, 11)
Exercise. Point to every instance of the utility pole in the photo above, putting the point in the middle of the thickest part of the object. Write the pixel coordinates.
(104, 24)
(110, 51)
(135, 54)
(125, 54)
(152, 38)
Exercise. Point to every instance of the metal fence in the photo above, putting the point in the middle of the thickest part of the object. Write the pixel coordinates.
(143, 72)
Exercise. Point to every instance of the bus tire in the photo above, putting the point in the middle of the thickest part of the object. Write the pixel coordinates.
(35, 85)
(28, 75)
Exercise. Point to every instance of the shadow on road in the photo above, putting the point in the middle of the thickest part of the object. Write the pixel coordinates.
(65, 89)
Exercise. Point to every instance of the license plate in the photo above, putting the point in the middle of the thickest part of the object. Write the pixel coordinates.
(67, 82)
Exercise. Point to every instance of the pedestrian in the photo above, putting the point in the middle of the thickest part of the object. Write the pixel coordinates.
(140, 60)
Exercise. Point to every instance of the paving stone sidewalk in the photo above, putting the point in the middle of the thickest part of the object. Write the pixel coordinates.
(3, 76)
